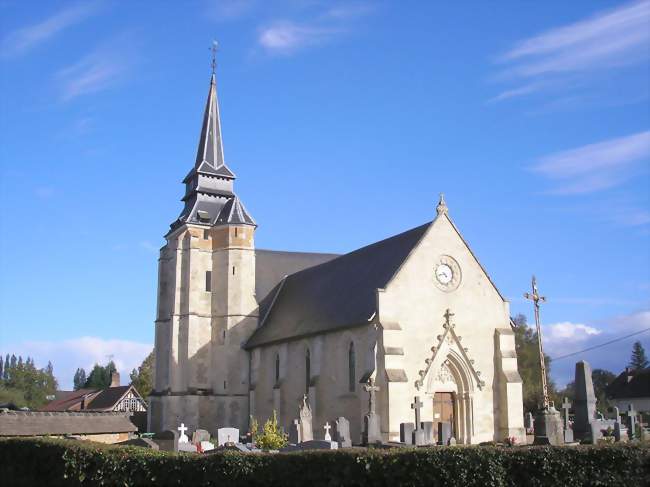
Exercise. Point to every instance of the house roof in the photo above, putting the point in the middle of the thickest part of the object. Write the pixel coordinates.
(630, 384)
(32, 423)
(337, 294)
(96, 399)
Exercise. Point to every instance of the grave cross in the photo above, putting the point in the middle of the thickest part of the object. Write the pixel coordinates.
(182, 428)
(417, 404)
(566, 405)
(371, 388)
(536, 299)
(327, 428)
(631, 413)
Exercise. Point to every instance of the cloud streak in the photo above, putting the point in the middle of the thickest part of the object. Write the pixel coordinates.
(595, 167)
(608, 39)
(22, 40)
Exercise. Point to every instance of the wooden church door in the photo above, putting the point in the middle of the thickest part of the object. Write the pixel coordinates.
(443, 416)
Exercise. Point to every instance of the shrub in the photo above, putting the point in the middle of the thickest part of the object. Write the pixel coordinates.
(64, 462)
(272, 437)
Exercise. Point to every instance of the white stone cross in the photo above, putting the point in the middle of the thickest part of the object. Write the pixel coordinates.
(327, 428)
(183, 438)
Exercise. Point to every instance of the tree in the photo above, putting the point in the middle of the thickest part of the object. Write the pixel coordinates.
(26, 385)
(5, 374)
(79, 379)
(100, 377)
(529, 367)
(142, 377)
(1, 369)
(638, 360)
(601, 378)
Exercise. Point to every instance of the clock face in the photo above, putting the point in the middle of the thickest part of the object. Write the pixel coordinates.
(447, 273)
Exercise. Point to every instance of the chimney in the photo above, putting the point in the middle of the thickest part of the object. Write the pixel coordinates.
(115, 379)
(629, 373)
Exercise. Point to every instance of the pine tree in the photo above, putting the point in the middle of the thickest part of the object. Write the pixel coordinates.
(1, 369)
(142, 377)
(79, 379)
(5, 375)
(638, 360)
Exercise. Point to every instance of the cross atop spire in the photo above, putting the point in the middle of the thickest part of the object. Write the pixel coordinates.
(213, 49)
(442, 206)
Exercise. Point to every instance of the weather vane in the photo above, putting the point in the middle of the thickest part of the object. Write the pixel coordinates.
(213, 49)
(536, 299)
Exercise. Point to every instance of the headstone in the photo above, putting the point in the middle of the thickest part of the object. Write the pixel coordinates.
(342, 433)
(200, 435)
(206, 445)
(371, 426)
(183, 437)
(166, 440)
(617, 414)
(187, 447)
(406, 433)
(294, 432)
(548, 428)
(568, 431)
(327, 428)
(306, 431)
(617, 431)
(427, 427)
(595, 433)
(529, 422)
(319, 445)
(631, 422)
(418, 434)
(585, 401)
(444, 433)
(141, 442)
(452, 441)
(227, 435)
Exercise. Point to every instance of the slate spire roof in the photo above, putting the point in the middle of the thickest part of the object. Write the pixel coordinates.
(209, 195)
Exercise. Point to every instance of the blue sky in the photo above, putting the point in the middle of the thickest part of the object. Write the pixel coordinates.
(343, 122)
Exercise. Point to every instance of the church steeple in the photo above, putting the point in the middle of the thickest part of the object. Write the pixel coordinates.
(209, 194)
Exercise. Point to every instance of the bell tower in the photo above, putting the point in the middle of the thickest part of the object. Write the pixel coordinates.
(206, 296)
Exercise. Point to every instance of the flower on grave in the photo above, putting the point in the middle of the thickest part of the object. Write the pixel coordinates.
(510, 441)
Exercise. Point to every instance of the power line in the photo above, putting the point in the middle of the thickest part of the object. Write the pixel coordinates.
(601, 345)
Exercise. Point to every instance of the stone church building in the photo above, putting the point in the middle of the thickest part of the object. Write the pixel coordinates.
(243, 332)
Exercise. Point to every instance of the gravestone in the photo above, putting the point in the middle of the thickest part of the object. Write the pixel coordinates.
(529, 422)
(371, 426)
(631, 422)
(342, 433)
(306, 431)
(617, 431)
(617, 414)
(187, 447)
(327, 427)
(227, 435)
(418, 433)
(200, 435)
(444, 433)
(183, 437)
(427, 427)
(294, 432)
(141, 442)
(584, 407)
(166, 440)
(311, 445)
(548, 427)
(452, 441)
(568, 432)
(595, 433)
(406, 433)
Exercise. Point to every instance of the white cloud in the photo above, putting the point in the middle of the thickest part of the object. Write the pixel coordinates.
(148, 246)
(67, 355)
(606, 40)
(568, 330)
(595, 167)
(287, 37)
(103, 68)
(26, 38)
(230, 9)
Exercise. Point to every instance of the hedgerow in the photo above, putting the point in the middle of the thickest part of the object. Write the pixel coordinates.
(52, 462)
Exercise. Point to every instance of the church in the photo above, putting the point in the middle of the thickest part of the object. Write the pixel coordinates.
(242, 332)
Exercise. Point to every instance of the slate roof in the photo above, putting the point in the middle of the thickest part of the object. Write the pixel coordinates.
(337, 294)
(638, 385)
(31, 423)
(96, 399)
(234, 212)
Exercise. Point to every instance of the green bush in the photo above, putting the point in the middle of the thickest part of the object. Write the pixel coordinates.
(271, 437)
(65, 462)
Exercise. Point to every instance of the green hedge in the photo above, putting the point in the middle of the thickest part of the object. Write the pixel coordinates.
(50, 462)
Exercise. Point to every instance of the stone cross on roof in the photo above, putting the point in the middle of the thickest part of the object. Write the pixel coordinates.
(371, 388)
(417, 404)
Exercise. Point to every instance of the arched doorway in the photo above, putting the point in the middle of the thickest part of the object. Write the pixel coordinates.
(450, 389)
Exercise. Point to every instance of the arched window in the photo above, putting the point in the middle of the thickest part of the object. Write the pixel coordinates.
(352, 376)
(277, 368)
(307, 371)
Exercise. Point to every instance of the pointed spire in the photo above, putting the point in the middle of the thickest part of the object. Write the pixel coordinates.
(442, 206)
